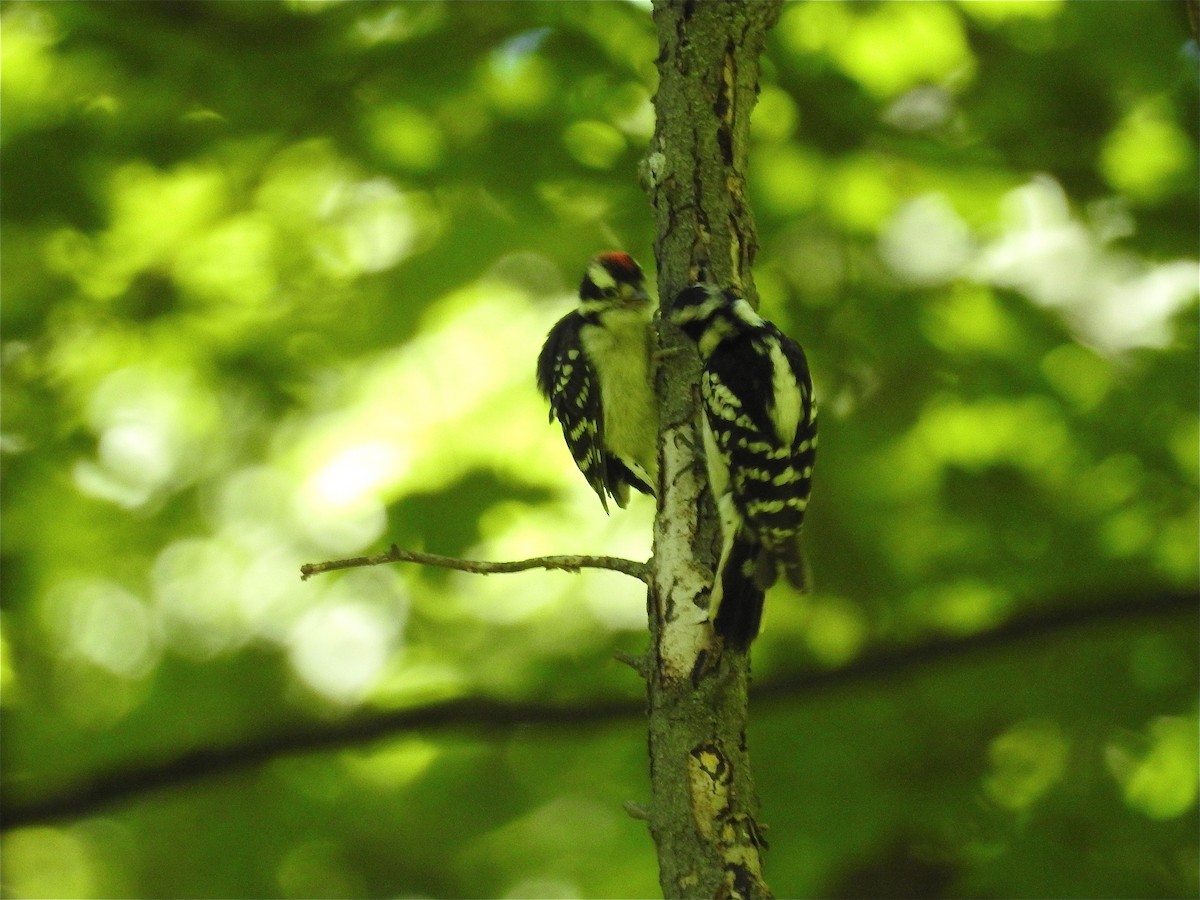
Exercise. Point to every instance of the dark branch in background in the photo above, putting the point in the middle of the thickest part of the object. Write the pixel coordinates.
(628, 567)
(468, 713)
(485, 715)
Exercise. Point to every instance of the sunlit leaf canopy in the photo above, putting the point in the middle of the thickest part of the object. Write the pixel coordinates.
(274, 278)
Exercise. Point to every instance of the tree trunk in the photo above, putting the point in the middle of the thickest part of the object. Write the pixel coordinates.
(704, 805)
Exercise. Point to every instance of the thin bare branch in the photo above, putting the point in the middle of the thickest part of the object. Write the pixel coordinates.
(632, 568)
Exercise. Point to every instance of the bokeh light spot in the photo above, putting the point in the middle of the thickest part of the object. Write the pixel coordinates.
(1113, 300)
(594, 144)
(888, 47)
(1147, 153)
(1026, 761)
(859, 193)
(925, 242)
(1157, 769)
(406, 137)
(47, 862)
(775, 116)
(339, 649)
(835, 630)
(1078, 374)
(969, 320)
(195, 589)
(105, 624)
(518, 82)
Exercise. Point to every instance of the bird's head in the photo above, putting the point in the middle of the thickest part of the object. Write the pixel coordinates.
(613, 280)
(707, 314)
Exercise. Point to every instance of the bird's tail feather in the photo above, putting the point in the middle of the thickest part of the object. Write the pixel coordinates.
(790, 557)
(738, 599)
(620, 478)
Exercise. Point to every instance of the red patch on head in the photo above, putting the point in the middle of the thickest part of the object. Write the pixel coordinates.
(619, 260)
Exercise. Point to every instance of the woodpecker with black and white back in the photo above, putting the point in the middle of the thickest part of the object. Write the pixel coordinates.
(596, 372)
(760, 439)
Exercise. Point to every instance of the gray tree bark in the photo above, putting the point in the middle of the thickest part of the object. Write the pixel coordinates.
(703, 810)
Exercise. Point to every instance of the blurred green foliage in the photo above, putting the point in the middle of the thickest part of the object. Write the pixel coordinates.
(274, 278)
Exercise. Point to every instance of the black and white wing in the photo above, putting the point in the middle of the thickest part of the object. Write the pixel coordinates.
(769, 446)
(569, 382)
(804, 443)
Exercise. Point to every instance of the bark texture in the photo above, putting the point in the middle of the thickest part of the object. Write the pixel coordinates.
(703, 809)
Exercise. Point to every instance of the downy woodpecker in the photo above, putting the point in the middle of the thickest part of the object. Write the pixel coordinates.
(760, 439)
(595, 370)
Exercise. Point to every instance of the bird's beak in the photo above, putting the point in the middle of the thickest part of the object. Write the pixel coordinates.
(634, 296)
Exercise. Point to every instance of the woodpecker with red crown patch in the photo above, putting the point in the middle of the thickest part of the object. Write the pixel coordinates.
(596, 372)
